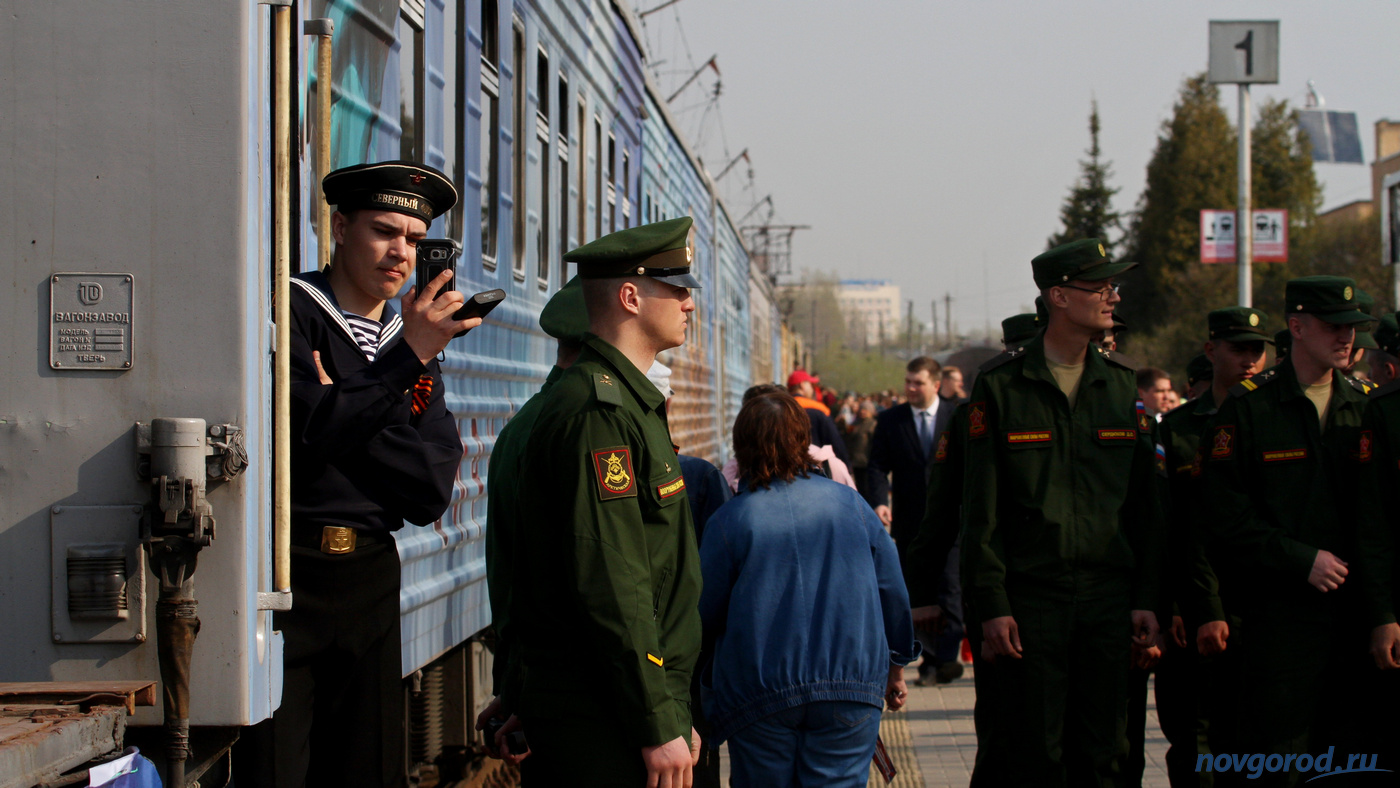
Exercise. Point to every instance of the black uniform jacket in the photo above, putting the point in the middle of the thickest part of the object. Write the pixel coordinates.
(377, 446)
(1277, 488)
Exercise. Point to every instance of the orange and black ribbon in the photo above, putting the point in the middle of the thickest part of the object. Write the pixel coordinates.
(422, 393)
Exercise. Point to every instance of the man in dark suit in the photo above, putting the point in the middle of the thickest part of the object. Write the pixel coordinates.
(904, 441)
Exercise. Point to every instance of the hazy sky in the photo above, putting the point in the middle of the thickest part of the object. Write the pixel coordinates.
(932, 143)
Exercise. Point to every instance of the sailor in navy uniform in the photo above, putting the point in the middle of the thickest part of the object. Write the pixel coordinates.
(373, 445)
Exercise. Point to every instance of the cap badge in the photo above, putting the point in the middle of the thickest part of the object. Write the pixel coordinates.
(640, 270)
(1102, 251)
(1254, 320)
(689, 255)
(1346, 292)
(417, 178)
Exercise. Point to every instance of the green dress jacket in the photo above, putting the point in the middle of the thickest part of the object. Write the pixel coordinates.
(1190, 579)
(1276, 486)
(503, 503)
(1058, 498)
(608, 563)
(1378, 530)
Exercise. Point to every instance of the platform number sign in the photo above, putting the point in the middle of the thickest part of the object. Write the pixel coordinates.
(1244, 52)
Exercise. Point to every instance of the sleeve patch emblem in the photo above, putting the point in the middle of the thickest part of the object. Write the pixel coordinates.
(671, 488)
(1034, 436)
(1161, 454)
(1222, 444)
(1284, 455)
(1363, 447)
(615, 476)
(1117, 435)
(1144, 420)
(941, 453)
(655, 660)
(977, 420)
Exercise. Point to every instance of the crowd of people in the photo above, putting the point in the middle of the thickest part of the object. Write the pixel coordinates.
(1065, 517)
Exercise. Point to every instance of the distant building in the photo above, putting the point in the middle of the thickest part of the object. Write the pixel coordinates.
(1385, 193)
(870, 307)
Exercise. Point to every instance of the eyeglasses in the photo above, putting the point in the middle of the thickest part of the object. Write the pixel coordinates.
(1102, 294)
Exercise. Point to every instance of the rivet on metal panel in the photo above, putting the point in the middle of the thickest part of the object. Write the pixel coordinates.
(57, 638)
(57, 510)
(128, 278)
(126, 363)
(58, 363)
(137, 510)
(140, 637)
(54, 279)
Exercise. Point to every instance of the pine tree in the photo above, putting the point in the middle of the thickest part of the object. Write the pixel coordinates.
(1088, 210)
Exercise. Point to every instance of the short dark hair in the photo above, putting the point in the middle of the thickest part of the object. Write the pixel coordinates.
(1148, 376)
(771, 436)
(949, 370)
(923, 364)
(762, 388)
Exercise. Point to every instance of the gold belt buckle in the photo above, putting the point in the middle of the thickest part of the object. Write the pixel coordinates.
(336, 540)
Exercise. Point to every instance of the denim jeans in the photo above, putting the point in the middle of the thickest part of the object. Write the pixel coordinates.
(827, 744)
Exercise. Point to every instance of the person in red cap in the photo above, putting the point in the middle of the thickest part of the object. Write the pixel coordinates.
(801, 385)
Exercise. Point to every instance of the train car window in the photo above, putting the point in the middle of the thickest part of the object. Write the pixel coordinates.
(520, 144)
(542, 229)
(598, 179)
(490, 138)
(562, 145)
(626, 188)
(582, 168)
(410, 36)
(612, 183)
(454, 100)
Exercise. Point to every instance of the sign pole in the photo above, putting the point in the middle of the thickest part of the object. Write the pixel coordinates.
(1244, 224)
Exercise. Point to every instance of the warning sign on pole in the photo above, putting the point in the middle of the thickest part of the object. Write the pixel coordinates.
(1269, 229)
(1217, 236)
(1270, 236)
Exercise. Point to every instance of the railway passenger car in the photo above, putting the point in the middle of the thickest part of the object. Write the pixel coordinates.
(160, 163)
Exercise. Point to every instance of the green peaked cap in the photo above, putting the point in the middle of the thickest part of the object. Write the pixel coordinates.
(1237, 324)
(1019, 329)
(565, 317)
(1330, 298)
(1086, 260)
(1387, 334)
(1199, 369)
(1364, 339)
(660, 250)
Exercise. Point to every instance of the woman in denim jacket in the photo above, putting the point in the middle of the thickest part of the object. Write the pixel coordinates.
(805, 610)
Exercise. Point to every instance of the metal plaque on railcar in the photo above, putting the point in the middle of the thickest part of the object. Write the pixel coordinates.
(90, 321)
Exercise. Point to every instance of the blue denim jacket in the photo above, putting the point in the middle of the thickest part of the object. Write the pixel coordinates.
(803, 602)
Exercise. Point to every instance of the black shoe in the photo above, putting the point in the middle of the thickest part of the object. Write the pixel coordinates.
(948, 672)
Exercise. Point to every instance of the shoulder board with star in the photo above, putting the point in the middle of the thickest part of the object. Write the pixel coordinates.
(1253, 384)
(1001, 358)
(1364, 386)
(1118, 359)
(607, 388)
(1386, 390)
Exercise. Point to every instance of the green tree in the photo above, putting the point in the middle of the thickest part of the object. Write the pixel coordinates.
(1194, 167)
(1088, 210)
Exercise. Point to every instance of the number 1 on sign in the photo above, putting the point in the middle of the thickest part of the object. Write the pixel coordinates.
(1247, 44)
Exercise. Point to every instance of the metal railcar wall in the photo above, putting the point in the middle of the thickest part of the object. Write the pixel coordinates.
(147, 160)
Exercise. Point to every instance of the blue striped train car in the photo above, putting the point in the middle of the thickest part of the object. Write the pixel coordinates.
(542, 113)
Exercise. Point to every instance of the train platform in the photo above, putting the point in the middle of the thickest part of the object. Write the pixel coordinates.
(933, 744)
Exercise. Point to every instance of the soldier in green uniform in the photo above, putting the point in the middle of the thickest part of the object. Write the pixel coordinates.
(1192, 689)
(612, 572)
(938, 532)
(1062, 531)
(566, 319)
(1199, 374)
(1378, 538)
(1385, 359)
(1278, 457)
